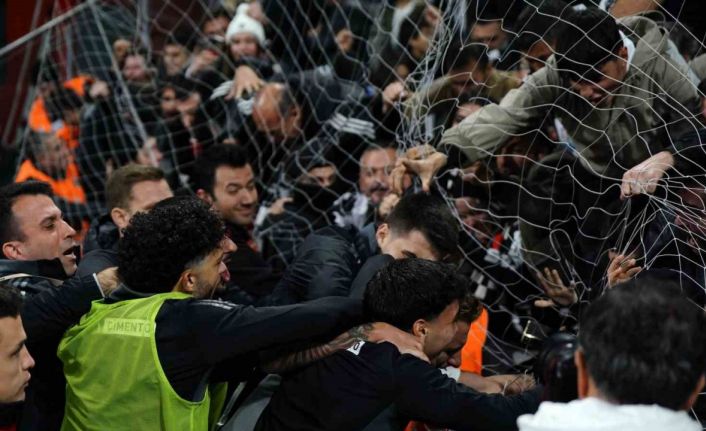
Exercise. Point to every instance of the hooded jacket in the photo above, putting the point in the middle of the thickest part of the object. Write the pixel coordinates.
(657, 101)
(595, 414)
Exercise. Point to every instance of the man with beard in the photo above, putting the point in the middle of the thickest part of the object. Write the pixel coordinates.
(154, 353)
(360, 207)
(224, 178)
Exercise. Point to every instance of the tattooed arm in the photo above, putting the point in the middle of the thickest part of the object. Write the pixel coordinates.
(370, 332)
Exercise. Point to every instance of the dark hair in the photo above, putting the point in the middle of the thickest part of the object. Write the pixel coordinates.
(118, 188)
(469, 306)
(474, 97)
(10, 301)
(406, 290)
(430, 215)
(158, 245)
(589, 39)
(205, 167)
(644, 343)
(9, 231)
(537, 23)
(457, 57)
(62, 99)
(412, 25)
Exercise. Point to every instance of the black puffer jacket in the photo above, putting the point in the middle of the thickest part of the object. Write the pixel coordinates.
(327, 262)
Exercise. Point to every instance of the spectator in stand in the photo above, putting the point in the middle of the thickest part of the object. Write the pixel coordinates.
(175, 54)
(640, 361)
(15, 360)
(536, 32)
(216, 23)
(349, 389)
(50, 161)
(467, 70)
(130, 189)
(490, 29)
(335, 261)
(584, 86)
(224, 178)
(360, 207)
(66, 105)
(312, 197)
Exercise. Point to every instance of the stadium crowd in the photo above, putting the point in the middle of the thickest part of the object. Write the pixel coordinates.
(379, 215)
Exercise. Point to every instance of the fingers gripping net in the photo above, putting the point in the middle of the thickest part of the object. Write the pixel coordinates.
(536, 181)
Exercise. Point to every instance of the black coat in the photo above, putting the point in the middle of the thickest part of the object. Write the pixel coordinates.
(326, 264)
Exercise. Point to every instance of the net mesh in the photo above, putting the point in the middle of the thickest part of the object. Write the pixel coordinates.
(536, 185)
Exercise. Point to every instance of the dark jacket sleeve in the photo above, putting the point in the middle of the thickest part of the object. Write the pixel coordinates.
(47, 315)
(218, 331)
(690, 153)
(325, 266)
(423, 393)
(370, 267)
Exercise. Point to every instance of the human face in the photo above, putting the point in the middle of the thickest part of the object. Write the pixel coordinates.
(468, 79)
(419, 44)
(55, 158)
(211, 274)
(168, 103)
(489, 33)
(243, 45)
(464, 111)
(216, 26)
(135, 69)
(451, 356)
(438, 333)
(44, 233)
(602, 92)
(374, 177)
(402, 246)
(692, 217)
(276, 127)
(149, 154)
(322, 176)
(143, 197)
(15, 360)
(538, 54)
(188, 107)
(174, 58)
(235, 195)
(474, 217)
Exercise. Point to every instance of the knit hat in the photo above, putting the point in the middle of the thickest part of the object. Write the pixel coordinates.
(243, 23)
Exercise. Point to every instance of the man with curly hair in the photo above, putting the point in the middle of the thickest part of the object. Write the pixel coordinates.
(154, 354)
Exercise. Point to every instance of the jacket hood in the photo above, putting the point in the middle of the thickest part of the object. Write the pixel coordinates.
(595, 414)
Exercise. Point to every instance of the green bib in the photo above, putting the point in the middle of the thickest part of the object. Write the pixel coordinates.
(115, 380)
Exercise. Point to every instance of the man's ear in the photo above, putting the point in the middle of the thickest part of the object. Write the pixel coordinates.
(186, 283)
(382, 234)
(581, 374)
(12, 250)
(204, 196)
(419, 328)
(120, 217)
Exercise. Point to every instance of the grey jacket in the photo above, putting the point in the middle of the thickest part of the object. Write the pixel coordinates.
(656, 103)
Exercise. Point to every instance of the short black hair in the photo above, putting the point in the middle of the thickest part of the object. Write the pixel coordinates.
(406, 290)
(10, 301)
(537, 23)
(412, 25)
(158, 245)
(589, 39)
(458, 57)
(62, 99)
(430, 215)
(9, 231)
(204, 176)
(644, 342)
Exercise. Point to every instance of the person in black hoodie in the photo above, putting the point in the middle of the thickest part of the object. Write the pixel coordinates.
(224, 178)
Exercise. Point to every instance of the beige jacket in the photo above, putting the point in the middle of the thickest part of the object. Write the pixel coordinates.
(656, 100)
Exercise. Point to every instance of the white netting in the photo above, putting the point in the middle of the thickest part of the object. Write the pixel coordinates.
(536, 184)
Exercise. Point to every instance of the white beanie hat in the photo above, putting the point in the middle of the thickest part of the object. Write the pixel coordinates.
(243, 23)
